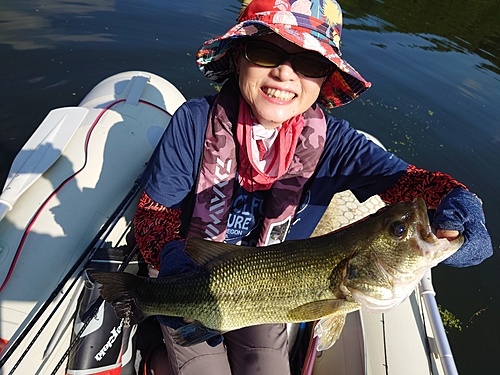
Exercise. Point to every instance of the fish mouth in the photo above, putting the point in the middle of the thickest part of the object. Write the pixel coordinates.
(432, 246)
(379, 290)
(423, 225)
(392, 288)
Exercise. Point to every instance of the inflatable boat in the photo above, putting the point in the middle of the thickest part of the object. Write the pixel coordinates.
(67, 206)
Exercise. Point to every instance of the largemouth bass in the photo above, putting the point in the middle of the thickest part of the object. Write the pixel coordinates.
(374, 263)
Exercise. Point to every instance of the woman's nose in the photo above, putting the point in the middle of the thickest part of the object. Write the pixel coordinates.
(285, 71)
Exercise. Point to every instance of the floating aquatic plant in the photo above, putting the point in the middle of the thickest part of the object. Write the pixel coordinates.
(449, 319)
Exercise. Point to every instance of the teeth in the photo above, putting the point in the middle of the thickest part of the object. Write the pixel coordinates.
(278, 94)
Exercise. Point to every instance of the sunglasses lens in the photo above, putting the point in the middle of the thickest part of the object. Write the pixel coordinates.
(264, 54)
(268, 55)
(311, 64)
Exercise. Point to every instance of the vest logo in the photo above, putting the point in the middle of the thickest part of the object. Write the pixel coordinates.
(221, 179)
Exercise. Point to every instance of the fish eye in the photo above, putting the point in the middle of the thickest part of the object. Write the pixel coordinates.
(398, 229)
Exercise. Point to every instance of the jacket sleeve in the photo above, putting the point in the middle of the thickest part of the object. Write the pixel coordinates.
(417, 182)
(154, 226)
(169, 179)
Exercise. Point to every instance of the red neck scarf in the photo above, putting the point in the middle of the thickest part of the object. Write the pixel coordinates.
(250, 176)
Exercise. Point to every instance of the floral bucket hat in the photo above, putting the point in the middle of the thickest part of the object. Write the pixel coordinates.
(314, 25)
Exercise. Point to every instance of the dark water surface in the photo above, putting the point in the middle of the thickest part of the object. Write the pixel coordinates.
(435, 100)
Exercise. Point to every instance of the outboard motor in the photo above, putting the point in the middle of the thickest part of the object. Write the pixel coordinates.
(105, 347)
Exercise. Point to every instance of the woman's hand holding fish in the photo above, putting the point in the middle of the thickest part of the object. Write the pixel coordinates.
(462, 211)
(450, 235)
(174, 260)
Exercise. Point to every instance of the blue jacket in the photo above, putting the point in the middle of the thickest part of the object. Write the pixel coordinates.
(349, 162)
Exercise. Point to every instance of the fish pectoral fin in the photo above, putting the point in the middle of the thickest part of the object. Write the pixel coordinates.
(318, 309)
(331, 312)
(328, 330)
(196, 333)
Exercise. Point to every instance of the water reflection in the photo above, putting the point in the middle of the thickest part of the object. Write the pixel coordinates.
(450, 25)
(26, 25)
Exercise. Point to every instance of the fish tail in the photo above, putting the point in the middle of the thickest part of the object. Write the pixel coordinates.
(120, 289)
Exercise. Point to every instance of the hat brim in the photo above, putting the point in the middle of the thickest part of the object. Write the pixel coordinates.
(343, 86)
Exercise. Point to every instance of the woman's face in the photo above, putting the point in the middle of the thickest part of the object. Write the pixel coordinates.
(276, 94)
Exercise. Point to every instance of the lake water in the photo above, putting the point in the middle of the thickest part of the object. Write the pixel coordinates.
(435, 100)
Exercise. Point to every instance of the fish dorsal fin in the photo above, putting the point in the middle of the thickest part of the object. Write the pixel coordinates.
(203, 251)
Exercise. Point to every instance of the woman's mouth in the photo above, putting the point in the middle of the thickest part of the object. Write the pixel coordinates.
(279, 94)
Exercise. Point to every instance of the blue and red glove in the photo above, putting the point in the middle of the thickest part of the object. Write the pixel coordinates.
(462, 211)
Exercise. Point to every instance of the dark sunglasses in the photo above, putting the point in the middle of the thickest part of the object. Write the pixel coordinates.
(269, 55)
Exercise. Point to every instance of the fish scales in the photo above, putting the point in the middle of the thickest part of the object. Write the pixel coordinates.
(375, 264)
(269, 283)
(249, 287)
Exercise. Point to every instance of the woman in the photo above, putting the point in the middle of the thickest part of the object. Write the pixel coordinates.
(248, 165)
